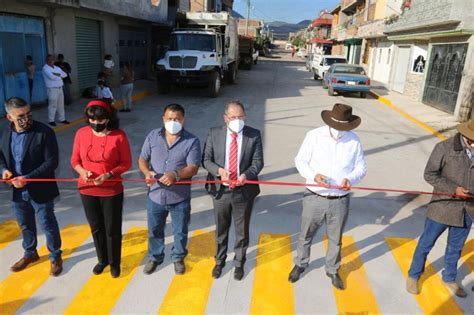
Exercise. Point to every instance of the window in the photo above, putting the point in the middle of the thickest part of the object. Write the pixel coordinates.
(348, 69)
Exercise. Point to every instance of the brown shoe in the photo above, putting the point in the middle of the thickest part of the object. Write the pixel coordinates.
(412, 285)
(456, 289)
(24, 262)
(56, 267)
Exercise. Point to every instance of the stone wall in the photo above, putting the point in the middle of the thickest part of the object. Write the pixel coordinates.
(414, 86)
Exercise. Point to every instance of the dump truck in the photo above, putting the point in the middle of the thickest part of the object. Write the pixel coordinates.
(203, 51)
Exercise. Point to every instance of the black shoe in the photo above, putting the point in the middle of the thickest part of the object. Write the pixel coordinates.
(238, 273)
(52, 124)
(128, 110)
(123, 110)
(115, 271)
(99, 268)
(295, 274)
(179, 267)
(217, 271)
(65, 122)
(336, 280)
(150, 267)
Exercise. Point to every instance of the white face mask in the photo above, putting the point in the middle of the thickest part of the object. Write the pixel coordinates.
(173, 127)
(108, 63)
(236, 125)
(338, 134)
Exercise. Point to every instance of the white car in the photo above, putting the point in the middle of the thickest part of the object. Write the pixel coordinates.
(288, 46)
(301, 52)
(321, 64)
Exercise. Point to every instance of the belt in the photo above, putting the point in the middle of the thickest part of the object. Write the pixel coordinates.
(328, 197)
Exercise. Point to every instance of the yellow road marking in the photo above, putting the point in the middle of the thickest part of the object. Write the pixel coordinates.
(467, 255)
(9, 231)
(434, 297)
(272, 293)
(20, 286)
(188, 293)
(357, 298)
(419, 123)
(101, 292)
(117, 105)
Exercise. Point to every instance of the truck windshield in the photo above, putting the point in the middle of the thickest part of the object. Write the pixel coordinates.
(330, 61)
(199, 42)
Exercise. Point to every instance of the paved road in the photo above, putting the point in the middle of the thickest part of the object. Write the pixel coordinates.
(284, 101)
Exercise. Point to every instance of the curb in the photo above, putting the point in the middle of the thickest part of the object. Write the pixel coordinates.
(420, 124)
(117, 105)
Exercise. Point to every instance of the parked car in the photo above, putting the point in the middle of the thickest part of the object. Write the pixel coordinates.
(301, 52)
(346, 78)
(321, 64)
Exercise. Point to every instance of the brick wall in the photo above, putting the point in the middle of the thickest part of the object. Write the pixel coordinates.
(413, 86)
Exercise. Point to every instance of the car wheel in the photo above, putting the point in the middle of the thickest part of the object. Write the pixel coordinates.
(330, 91)
(315, 76)
(214, 84)
(363, 94)
(324, 84)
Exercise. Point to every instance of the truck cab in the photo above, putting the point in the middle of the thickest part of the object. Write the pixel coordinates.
(201, 53)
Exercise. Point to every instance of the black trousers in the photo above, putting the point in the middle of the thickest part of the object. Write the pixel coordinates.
(104, 215)
(232, 204)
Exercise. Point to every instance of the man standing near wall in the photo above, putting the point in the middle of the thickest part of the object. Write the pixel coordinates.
(53, 79)
(66, 67)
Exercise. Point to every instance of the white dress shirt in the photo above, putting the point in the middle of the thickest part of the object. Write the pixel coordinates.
(228, 141)
(51, 79)
(321, 154)
(103, 92)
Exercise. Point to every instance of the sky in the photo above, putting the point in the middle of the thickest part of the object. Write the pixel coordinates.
(291, 11)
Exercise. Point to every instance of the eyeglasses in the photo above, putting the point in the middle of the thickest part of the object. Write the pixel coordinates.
(102, 157)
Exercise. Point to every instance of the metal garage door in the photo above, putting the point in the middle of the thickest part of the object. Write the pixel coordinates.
(133, 48)
(89, 51)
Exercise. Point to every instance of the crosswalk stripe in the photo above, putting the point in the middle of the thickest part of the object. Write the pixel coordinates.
(188, 293)
(467, 255)
(272, 293)
(9, 231)
(20, 286)
(434, 297)
(101, 292)
(357, 298)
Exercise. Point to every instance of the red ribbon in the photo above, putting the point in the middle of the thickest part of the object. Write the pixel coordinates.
(251, 182)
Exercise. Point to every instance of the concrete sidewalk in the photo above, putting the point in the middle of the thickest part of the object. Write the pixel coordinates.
(75, 110)
(441, 124)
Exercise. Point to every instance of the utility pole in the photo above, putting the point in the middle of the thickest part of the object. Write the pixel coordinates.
(248, 17)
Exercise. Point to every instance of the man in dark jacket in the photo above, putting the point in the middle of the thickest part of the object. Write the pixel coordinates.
(233, 152)
(28, 150)
(449, 170)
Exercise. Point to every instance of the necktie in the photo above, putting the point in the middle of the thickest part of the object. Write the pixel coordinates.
(233, 159)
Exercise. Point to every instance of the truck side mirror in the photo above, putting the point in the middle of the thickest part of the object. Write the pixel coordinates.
(227, 42)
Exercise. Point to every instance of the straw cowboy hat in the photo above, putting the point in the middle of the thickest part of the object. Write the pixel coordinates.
(341, 118)
(467, 129)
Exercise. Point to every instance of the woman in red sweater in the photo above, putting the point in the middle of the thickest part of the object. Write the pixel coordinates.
(101, 151)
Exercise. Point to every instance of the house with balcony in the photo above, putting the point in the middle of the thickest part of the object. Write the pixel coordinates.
(319, 34)
(434, 54)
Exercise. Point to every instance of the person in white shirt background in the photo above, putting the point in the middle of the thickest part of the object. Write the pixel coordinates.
(103, 92)
(108, 67)
(53, 79)
(332, 157)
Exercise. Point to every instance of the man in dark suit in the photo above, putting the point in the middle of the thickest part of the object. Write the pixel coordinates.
(233, 152)
(28, 150)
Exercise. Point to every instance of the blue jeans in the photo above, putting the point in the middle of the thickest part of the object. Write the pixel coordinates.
(456, 238)
(180, 217)
(25, 209)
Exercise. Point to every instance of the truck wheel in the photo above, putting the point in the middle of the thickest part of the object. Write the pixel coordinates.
(315, 76)
(214, 84)
(330, 91)
(231, 74)
(324, 84)
(163, 87)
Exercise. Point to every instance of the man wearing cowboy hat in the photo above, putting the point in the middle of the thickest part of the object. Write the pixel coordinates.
(331, 156)
(449, 170)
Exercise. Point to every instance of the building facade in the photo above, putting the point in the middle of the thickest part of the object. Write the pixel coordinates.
(84, 31)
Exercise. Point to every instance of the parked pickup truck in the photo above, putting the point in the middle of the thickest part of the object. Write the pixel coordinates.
(321, 64)
(246, 50)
